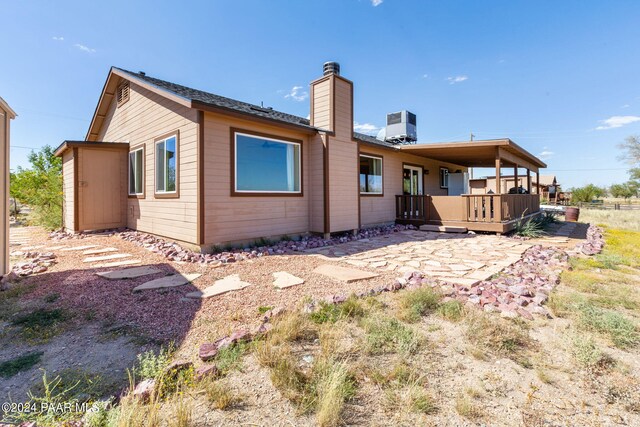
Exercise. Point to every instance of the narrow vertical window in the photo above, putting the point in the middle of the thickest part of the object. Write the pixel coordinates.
(167, 165)
(136, 172)
(444, 178)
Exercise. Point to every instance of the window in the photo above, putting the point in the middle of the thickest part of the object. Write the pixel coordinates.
(123, 93)
(370, 174)
(444, 178)
(136, 172)
(266, 165)
(166, 165)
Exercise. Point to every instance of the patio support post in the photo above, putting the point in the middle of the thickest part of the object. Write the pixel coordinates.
(516, 182)
(538, 182)
(498, 180)
(529, 181)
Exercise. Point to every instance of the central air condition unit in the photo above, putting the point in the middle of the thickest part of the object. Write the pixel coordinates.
(401, 128)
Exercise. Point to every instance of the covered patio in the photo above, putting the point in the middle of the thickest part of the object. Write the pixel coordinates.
(478, 212)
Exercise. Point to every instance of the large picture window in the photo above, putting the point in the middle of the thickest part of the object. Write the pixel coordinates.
(444, 178)
(370, 174)
(166, 165)
(266, 165)
(136, 172)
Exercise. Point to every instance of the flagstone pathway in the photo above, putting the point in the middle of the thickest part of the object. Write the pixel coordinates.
(462, 259)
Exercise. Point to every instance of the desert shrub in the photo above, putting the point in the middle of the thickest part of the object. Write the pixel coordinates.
(452, 310)
(21, 363)
(508, 338)
(622, 331)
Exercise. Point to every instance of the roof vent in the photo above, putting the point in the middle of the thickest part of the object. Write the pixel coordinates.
(142, 73)
(122, 94)
(331, 68)
(401, 128)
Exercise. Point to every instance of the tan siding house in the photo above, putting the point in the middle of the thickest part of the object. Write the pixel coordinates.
(6, 115)
(206, 170)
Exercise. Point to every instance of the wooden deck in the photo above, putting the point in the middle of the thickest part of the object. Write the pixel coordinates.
(478, 212)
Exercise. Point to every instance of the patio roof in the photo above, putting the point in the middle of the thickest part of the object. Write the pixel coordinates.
(482, 153)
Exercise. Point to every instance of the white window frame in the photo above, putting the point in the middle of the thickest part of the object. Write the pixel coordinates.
(444, 183)
(155, 165)
(141, 149)
(235, 164)
(375, 193)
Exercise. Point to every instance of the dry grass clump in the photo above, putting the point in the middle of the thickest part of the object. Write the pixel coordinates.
(219, 394)
(468, 408)
(507, 338)
(326, 386)
(389, 335)
(452, 310)
(417, 303)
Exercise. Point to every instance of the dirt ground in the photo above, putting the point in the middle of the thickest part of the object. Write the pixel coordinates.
(108, 325)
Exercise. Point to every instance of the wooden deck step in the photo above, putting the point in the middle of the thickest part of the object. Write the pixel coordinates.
(443, 228)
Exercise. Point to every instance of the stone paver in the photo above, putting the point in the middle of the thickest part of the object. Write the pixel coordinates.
(343, 274)
(128, 273)
(465, 258)
(283, 280)
(227, 284)
(78, 248)
(99, 251)
(117, 263)
(168, 282)
(105, 257)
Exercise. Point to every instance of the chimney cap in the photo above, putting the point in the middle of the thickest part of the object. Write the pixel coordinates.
(331, 67)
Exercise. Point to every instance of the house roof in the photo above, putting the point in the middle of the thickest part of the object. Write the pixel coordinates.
(212, 99)
(200, 99)
(477, 153)
(89, 144)
(5, 107)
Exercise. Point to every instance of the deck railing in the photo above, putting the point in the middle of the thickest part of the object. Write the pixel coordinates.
(493, 208)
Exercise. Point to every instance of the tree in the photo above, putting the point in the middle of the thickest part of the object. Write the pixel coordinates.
(624, 191)
(40, 187)
(631, 148)
(587, 193)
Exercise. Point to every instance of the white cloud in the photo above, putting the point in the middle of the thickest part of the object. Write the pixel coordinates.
(366, 128)
(375, 3)
(58, 39)
(546, 153)
(457, 79)
(617, 122)
(425, 76)
(297, 94)
(84, 48)
(626, 106)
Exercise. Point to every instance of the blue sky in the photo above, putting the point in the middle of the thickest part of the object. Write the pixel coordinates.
(561, 78)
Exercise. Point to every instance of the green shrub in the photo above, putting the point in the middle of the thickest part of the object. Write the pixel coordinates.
(451, 310)
(151, 365)
(622, 331)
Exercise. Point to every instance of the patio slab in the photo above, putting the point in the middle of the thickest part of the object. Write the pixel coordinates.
(285, 280)
(117, 263)
(343, 274)
(227, 284)
(78, 248)
(128, 273)
(168, 282)
(99, 251)
(105, 257)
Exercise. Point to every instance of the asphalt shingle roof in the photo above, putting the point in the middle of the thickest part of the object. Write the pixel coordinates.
(239, 106)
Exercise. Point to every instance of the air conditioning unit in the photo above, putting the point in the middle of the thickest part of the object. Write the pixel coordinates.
(401, 128)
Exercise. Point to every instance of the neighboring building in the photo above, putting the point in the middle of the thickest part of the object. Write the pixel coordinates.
(6, 115)
(208, 170)
(548, 186)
